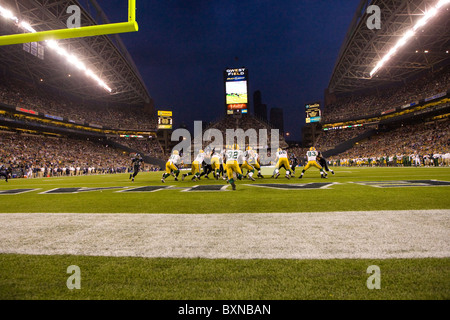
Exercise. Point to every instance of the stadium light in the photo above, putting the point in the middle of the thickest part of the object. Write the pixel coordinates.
(52, 44)
(403, 40)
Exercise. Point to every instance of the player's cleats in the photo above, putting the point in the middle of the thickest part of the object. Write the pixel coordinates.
(182, 177)
(301, 176)
(332, 172)
(130, 176)
(176, 179)
(163, 181)
(277, 175)
(288, 176)
(251, 178)
(324, 177)
(233, 186)
(132, 180)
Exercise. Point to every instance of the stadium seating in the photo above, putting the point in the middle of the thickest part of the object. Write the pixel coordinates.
(360, 105)
(426, 140)
(43, 156)
(20, 94)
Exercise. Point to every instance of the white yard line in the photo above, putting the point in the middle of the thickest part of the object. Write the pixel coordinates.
(316, 235)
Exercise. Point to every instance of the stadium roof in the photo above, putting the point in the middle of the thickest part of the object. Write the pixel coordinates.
(363, 48)
(106, 56)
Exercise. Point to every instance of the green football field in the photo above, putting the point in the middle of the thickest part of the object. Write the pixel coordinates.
(294, 239)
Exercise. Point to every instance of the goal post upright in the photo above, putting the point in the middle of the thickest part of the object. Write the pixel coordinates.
(89, 31)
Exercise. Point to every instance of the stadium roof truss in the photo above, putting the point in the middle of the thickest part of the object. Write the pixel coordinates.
(363, 48)
(105, 55)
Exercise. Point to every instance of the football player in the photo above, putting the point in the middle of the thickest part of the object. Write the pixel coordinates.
(136, 163)
(216, 162)
(206, 166)
(294, 162)
(172, 166)
(324, 164)
(245, 164)
(195, 168)
(4, 172)
(282, 161)
(233, 158)
(312, 162)
(253, 160)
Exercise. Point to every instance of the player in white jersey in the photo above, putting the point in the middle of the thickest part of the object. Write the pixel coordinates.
(312, 162)
(282, 161)
(216, 162)
(253, 160)
(172, 166)
(195, 168)
(246, 165)
(446, 159)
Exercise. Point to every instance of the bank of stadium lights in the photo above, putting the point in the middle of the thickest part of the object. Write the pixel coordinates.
(7, 14)
(410, 33)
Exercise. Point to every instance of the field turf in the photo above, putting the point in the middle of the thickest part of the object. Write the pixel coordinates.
(347, 195)
(44, 276)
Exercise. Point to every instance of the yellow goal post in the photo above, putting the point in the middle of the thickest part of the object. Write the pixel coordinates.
(104, 29)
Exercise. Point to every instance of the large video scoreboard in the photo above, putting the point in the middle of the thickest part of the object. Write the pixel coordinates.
(236, 90)
(164, 120)
(313, 112)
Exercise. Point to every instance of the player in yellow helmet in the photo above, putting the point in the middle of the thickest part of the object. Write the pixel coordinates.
(246, 165)
(172, 166)
(253, 160)
(216, 162)
(312, 155)
(282, 161)
(195, 168)
(233, 158)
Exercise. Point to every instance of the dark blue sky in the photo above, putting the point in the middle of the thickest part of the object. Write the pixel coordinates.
(182, 47)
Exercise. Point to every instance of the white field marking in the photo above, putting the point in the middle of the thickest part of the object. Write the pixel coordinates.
(304, 235)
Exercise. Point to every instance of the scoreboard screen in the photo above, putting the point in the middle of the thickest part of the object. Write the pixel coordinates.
(164, 120)
(313, 113)
(236, 90)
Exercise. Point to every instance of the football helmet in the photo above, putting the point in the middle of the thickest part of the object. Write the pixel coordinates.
(249, 148)
(201, 151)
(312, 149)
(235, 146)
(175, 152)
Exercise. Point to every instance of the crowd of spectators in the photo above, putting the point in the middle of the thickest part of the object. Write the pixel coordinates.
(363, 105)
(43, 156)
(329, 139)
(24, 95)
(146, 147)
(425, 143)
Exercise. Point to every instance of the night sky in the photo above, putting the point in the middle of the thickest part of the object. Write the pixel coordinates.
(183, 46)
